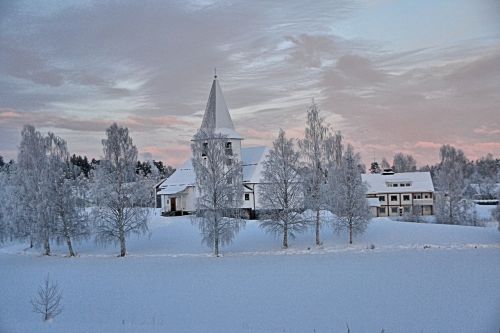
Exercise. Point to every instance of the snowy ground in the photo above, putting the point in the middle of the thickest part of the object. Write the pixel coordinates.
(419, 278)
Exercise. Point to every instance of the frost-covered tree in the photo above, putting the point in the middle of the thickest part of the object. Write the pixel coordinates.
(281, 190)
(47, 302)
(348, 195)
(385, 164)
(451, 206)
(67, 191)
(496, 215)
(121, 197)
(219, 184)
(32, 208)
(334, 149)
(5, 197)
(314, 150)
(404, 163)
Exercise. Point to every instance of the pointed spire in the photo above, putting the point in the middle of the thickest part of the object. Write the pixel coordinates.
(217, 117)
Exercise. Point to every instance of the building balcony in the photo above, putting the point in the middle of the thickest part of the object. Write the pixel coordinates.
(423, 202)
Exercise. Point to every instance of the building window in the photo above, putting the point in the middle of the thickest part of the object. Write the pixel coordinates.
(406, 197)
(247, 196)
(394, 210)
(394, 198)
(381, 210)
(406, 210)
(417, 196)
(402, 185)
(430, 195)
(426, 196)
(229, 149)
(408, 184)
(204, 150)
(381, 198)
(394, 185)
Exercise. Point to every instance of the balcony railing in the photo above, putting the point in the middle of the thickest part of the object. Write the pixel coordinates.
(423, 202)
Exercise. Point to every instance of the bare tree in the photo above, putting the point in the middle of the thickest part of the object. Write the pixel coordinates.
(385, 164)
(121, 197)
(48, 300)
(404, 163)
(348, 195)
(220, 190)
(314, 150)
(281, 190)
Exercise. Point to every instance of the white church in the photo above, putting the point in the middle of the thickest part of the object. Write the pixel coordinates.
(177, 194)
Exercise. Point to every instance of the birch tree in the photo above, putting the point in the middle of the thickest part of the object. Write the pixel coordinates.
(121, 197)
(314, 148)
(451, 206)
(5, 196)
(65, 192)
(404, 163)
(281, 190)
(220, 190)
(348, 195)
(32, 210)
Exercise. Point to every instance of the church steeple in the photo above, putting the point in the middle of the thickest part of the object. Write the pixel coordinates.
(217, 118)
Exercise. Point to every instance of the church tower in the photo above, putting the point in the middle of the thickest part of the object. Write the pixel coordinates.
(217, 120)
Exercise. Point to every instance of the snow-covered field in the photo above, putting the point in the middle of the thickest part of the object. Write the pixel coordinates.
(418, 278)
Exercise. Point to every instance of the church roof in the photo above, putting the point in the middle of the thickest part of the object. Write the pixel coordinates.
(217, 118)
(252, 160)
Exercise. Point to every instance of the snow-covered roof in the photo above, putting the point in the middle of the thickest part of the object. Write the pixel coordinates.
(184, 176)
(252, 159)
(178, 181)
(418, 182)
(217, 118)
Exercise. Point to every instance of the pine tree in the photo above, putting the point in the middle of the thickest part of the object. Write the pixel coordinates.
(281, 190)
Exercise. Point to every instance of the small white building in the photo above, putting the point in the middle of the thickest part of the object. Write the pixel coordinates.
(178, 193)
(395, 194)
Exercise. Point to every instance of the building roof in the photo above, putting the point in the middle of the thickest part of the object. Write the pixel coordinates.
(217, 118)
(252, 159)
(178, 181)
(184, 176)
(419, 182)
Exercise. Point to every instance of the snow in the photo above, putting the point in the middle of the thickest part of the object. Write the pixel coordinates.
(252, 160)
(420, 182)
(418, 278)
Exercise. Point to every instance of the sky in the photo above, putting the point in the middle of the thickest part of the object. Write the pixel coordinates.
(392, 76)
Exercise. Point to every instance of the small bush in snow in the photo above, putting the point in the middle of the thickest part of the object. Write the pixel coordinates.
(48, 300)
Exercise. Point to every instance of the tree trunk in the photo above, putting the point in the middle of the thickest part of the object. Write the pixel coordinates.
(123, 249)
(350, 233)
(285, 235)
(318, 241)
(216, 245)
(70, 247)
(46, 247)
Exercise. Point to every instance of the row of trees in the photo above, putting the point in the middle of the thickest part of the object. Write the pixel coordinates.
(45, 197)
(316, 173)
